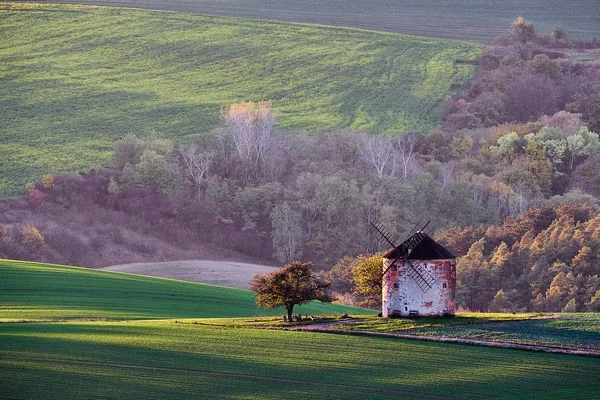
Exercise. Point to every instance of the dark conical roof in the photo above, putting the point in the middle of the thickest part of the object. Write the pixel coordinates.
(427, 249)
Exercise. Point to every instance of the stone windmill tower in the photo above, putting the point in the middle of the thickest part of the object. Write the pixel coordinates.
(419, 276)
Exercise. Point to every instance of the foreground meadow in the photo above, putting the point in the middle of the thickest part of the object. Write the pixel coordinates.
(75, 333)
(168, 359)
(76, 79)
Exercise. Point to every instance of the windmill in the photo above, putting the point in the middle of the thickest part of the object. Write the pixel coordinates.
(420, 274)
(402, 252)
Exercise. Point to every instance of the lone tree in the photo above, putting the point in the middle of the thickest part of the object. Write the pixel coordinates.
(293, 284)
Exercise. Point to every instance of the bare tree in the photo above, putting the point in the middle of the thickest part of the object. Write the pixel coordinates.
(447, 173)
(197, 162)
(250, 126)
(378, 151)
(275, 160)
(406, 145)
(287, 233)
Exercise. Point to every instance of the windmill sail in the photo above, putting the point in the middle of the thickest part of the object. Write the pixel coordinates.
(379, 232)
(423, 279)
(417, 273)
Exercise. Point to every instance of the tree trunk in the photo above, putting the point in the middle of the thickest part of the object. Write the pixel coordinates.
(289, 309)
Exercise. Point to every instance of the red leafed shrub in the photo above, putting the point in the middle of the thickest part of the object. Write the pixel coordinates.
(35, 198)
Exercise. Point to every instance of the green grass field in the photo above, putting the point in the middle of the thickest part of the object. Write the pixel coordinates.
(34, 291)
(118, 355)
(577, 330)
(76, 79)
(159, 360)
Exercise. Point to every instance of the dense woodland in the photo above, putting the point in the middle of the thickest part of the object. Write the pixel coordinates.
(511, 183)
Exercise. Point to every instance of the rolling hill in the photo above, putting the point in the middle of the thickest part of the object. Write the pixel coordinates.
(35, 291)
(223, 273)
(76, 79)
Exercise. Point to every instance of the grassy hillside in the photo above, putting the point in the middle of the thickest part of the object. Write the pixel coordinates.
(159, 360)
(33, 291)
(76, 79)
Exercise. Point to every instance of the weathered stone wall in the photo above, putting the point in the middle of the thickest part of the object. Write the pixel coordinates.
(401, 295)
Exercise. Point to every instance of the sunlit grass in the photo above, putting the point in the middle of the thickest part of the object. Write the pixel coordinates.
(76, 79)
(392, 325)
(577, 330)
(36, 291)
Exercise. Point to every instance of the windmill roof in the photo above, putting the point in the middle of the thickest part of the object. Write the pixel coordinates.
(427, 249)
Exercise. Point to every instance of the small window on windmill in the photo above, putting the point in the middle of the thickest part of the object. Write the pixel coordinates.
(406, 309)
(444, 285)
(396, 285)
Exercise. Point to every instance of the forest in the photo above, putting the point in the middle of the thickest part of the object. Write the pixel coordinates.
(511, 184)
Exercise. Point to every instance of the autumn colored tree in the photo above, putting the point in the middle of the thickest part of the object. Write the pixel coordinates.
(500, 303)
(476, 283)
(32, 239)
(522, 30)
(367, 279)
(47, 182)
(542, 64)
(35, 198)
(294, 284)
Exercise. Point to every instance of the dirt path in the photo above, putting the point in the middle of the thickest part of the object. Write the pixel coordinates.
(331, 327)
(223, 273)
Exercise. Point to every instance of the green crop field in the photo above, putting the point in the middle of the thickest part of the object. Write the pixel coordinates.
(160, 360)
(76, 333)
(34, 291)
(75, 79)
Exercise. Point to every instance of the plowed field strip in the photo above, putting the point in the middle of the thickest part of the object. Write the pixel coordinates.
(462, 19)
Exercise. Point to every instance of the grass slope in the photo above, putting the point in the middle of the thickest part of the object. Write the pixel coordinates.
(159, 360)
(75, 79)
(34, 291)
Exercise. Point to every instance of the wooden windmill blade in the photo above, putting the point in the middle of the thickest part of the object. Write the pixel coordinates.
(420, 275)
(380, 233)
(389, 267)
(411, 232)
(423, 278)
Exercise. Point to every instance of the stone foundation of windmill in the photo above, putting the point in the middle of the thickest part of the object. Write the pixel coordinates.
(419, 279)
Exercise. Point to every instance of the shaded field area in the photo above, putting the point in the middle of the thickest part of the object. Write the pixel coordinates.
(35, 291)
(120, 356)
(153, 360)
(223, 273)
(573, 331)
(462, 19)
(76, 79)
